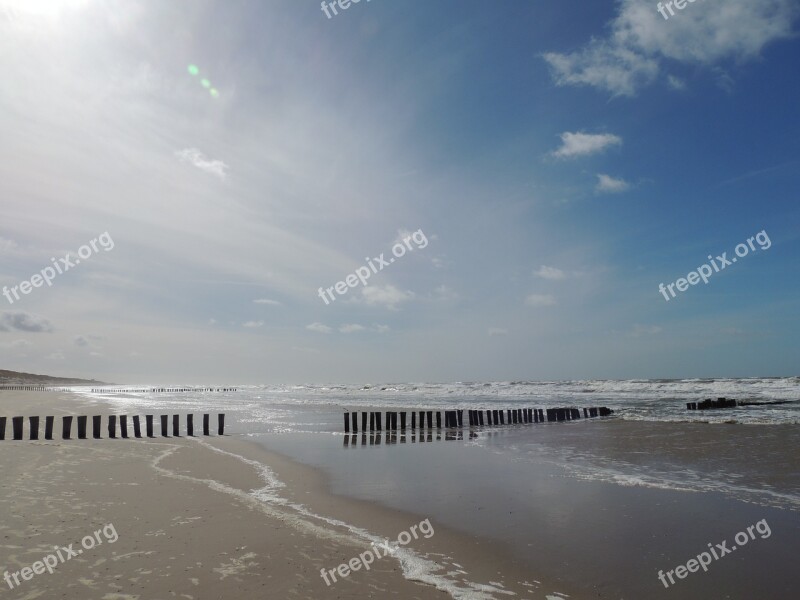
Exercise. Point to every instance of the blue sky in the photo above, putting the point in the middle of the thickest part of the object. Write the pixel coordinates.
(561, 158)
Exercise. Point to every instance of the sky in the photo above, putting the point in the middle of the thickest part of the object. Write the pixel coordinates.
(549, 163)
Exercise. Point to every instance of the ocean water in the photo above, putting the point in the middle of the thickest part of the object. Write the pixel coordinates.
(644, 400)
(505, 483)
(652, 454)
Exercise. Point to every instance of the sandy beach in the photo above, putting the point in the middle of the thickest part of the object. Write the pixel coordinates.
(190, 525)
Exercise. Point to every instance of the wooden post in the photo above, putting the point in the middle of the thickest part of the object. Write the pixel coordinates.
(66, 427)
(469, 416)
(413, 420)
(206, 424)
(354, 420)
(371, 421)
(480, 418)
(112, 426)
(96, 423)
(221, 424)
(378, 420)
(48, 428)
(137, 430)
(123, 426)
(438, 420)
(585, 414)
(347, 422)
(190, 425)
(488, 416)
(34, 427)
(460, 418)
(176, 425)
(394, 420)
(2, 428)
(403, 421)
(164, 426)
(363, 421)
(430, 419)
(82, 427)
(149, 425)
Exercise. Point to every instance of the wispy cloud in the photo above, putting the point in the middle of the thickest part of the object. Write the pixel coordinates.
(539, 300)
(387, 296)
(319, 328)
(610, 185)
(267, 301)
(193, 156)
(351, 328)
(23, 321)
(574, 144)
(253, 324)
(552, 273)
(630, 57)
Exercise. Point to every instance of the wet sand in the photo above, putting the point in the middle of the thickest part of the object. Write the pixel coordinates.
(190, 526)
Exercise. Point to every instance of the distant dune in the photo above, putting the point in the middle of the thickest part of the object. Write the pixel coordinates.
(16, 378)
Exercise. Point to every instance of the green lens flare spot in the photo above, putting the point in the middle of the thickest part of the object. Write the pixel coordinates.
(214, 92)
(193, 70)
(206, 83)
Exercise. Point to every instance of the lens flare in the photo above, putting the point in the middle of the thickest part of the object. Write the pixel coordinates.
(194, 71)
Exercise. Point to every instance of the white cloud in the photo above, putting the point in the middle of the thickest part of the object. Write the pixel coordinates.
(380, 328)
(193, 156)
(583, 144)
(610, 185)
(676, 83)
(267, 301)
(319, 328)
(550, 273)
(253, 324)
(388, 296)
(497, 331)
(55, 356)
(704, 33)
(540, 300)
(23, 321)
(605, 66)
(351, 328)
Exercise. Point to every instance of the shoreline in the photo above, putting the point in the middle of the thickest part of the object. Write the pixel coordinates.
(309, 527)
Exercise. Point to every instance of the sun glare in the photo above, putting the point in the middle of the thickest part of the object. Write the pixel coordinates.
(43, 8)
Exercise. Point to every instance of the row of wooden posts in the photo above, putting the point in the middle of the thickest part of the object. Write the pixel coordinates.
(32, 388)
(709, 403)
(66, 426)
(157, 390)
(42, 388)
(391, 437)
(455, 418)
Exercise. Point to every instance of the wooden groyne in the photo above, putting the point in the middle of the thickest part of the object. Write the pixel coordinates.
(153, 390)
(17, 426)
(159, 390)
(709, 404)
(454, 419)
(354, 440)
